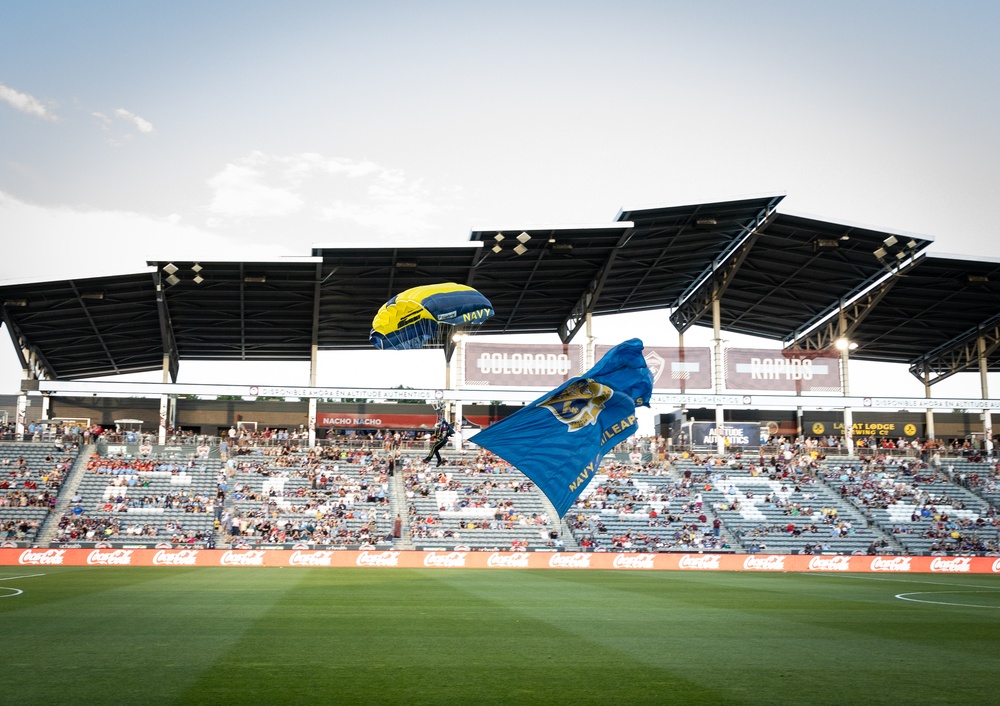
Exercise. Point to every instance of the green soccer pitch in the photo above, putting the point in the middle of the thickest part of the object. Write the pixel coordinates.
(433, 636)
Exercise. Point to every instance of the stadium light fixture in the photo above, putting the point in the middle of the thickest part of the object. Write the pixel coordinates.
(520, 249)
(173, 279)
(15, 302)
(842, 344)
(170, 268)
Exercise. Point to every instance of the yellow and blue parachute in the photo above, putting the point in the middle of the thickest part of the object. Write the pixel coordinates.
(414, 317)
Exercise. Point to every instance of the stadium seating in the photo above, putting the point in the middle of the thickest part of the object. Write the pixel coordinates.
(331, 498)
(143, 502)
(32, 474)
(301, 498)
(479, 503)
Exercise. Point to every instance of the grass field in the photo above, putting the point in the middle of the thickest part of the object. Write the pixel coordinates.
(430, 636)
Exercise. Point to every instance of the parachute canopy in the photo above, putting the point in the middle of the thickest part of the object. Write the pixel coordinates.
(414, 317)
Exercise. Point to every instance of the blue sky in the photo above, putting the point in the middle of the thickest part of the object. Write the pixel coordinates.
(140, 130)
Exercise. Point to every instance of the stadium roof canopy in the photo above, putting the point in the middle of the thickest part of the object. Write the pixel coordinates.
(801, 281)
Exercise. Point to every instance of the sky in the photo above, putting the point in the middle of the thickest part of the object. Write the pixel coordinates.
(134, 130)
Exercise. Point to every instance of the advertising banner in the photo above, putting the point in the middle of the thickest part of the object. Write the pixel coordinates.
(782, 370)
(735, 434)
(674, 368)
(521, 365)
(377, 420)
(447, 559)
(865, 425)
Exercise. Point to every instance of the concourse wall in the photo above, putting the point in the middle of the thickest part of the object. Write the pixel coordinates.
(376, 558)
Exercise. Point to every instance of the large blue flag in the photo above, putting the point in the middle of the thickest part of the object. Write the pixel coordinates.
(559, 439)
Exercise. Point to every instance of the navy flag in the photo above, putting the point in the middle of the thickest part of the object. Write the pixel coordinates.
(559, 439)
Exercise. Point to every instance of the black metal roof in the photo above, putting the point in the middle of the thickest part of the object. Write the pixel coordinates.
(778, 276)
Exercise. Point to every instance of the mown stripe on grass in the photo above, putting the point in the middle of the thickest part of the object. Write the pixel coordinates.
(433, 637)
(129, 635)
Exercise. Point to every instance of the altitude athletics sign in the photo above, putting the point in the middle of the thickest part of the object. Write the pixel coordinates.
(518, 365)
(675, 368)
(757, 369)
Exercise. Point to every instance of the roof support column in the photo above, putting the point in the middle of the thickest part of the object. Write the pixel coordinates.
(588, 350)
(22, 409)
(720, 417)
(984, 368)
(161, 434)
(456, 407)
(929, 412)
(313, 356)
(845, 354)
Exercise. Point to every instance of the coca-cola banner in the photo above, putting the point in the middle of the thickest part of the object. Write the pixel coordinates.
(446, 559)
(521, 365)
(675, 368)
(782, 370)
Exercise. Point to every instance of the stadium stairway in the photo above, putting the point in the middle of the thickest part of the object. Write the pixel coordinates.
(69, 488)
(397, 504)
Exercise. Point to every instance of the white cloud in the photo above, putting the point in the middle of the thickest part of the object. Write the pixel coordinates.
(325, 190)
(25, 103)
(143, 126)
(79, 243)
(238, 192)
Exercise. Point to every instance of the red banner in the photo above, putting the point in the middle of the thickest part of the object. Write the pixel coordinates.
(445, 559)
(351, 420)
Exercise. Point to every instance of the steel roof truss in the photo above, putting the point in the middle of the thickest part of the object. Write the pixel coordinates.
(697, 300)
(585, 304)
(166, 328)
(854, 313)
(30, 357)
(959, 355)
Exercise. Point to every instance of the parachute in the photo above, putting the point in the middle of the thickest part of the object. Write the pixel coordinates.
(424, 314)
